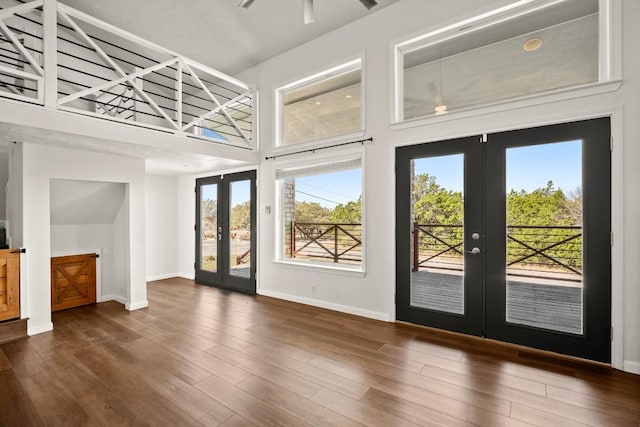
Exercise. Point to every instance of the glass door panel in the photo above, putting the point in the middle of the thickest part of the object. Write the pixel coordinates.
(544, 236)
(209, 227)
(240, 228)
(225, 237)
(439, 233)
(437, 277)
(548, 224)
(508, 236)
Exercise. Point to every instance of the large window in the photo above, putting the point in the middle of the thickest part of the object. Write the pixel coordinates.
(540, 47)
(321, 213)
(325, 105)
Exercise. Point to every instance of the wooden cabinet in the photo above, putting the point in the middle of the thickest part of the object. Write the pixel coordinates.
(73, 281)
(9, 284)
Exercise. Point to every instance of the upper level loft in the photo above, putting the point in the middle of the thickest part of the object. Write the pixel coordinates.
(64, 60)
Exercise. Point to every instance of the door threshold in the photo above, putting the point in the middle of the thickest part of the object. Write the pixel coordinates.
(520, 351)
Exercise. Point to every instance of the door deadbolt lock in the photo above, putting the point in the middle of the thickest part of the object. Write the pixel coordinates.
(475, 236)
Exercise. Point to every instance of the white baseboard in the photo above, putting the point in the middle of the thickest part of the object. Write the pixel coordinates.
(116, 298)
(188, 276)
(38, 329)
(136, 305)
(632, 366)
(162, 277)
(328, 305)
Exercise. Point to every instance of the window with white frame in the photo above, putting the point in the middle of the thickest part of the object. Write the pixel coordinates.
(321, 106)
(527, 48)
(321, 213)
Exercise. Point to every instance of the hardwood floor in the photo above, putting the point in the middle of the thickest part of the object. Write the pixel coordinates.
(202, 356)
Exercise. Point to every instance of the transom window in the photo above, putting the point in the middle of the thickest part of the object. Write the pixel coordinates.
(540, 47)
(325, 105)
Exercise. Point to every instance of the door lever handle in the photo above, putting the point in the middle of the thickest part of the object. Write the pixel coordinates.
(473, 251)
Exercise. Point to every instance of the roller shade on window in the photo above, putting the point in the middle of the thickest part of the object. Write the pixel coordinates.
(319, 168)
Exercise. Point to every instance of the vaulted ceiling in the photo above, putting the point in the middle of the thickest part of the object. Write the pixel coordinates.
(222, 35)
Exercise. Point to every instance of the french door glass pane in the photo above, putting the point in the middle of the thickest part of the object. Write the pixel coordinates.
(544, 236)
(240, 228)
(437, 278)
(209, 227)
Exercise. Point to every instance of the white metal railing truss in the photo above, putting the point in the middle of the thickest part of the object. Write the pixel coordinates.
(93, 68)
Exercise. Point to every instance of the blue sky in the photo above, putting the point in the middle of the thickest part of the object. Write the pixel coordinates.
(239, 192)
(330, 189)
(528, 167)
(209, 192)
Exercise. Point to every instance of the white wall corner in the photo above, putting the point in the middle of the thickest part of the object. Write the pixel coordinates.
(116, 298)
(38, 329)
(188, 276)
(162, 277)
(376, 315)
(632, 367)
(136, 305)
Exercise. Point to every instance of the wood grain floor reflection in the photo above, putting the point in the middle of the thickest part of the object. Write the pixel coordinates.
(201, 356)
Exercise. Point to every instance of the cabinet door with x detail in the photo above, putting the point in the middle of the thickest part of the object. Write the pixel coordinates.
(73, 281)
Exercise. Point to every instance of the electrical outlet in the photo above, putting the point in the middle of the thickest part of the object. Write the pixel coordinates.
(313, 289)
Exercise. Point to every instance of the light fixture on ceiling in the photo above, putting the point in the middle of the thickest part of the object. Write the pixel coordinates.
(440, 109)
(532, 44)
(307, 7)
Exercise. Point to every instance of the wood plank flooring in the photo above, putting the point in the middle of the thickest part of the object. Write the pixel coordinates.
(202, 356)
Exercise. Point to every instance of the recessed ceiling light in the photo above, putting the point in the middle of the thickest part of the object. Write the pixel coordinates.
(348, 96)
(532, 44)
(318, 102)
(440, 109)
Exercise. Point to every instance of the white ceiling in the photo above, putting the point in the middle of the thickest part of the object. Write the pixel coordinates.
(221, 35)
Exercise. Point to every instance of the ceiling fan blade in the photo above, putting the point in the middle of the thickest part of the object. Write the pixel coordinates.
(369, 3)
(246, 3)
(307, 8)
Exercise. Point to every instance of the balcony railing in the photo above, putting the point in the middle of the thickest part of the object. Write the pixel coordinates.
(532, 251)
(340, 243)
(61, 58)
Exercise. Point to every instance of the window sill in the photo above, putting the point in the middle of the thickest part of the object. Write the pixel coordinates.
(344, 270)
(511, 104)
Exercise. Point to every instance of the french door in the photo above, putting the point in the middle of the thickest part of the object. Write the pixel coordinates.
(507, 236)
(225, 231)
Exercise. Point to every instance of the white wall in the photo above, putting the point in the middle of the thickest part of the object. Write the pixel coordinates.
(162, 237)
(373, 294)
(186, 222)
(14, 196)
(42, 163)
(4, 178)
(122, 254)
